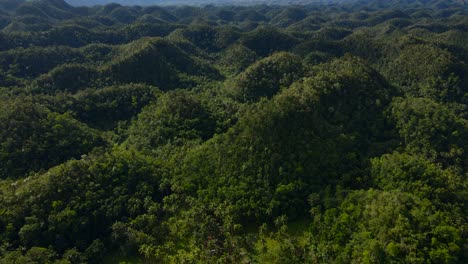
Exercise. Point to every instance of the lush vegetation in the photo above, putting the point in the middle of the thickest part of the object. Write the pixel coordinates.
(334, 132)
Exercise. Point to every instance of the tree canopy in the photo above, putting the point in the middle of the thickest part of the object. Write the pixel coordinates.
(233, 131)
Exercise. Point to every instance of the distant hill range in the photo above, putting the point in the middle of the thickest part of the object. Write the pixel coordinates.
(251, 2)
(188, 2)
(13, 4)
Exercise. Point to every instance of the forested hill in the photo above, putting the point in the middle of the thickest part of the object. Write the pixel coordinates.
(318, 133)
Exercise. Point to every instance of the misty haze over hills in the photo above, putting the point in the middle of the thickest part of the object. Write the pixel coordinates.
(12, 4)
(248, 2)
(194, 2)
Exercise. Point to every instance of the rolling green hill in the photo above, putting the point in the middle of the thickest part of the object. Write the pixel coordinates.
(233, 132)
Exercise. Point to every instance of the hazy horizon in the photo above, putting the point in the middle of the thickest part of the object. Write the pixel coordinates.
(190, 2)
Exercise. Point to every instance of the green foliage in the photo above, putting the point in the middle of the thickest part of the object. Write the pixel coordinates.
(34, 255)
(311, 132)
(417, 175)
(265, 41)
(238, 58)
(31, 62)
(34, 138)
(74, 204)
(177, 117)
(123, 15)
(352, 96)
(288, 17)
(384, 227)
(206, 37)
(428, 71)
(284, 172)
(434, 130)
(67, 78)
(7, 80)
(97, 53)
(153, 61)
(268, 76)
(103, 108)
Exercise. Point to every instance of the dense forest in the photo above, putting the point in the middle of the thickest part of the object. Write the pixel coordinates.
(332, 132)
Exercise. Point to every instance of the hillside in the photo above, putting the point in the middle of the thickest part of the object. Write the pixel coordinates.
(241, 132)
